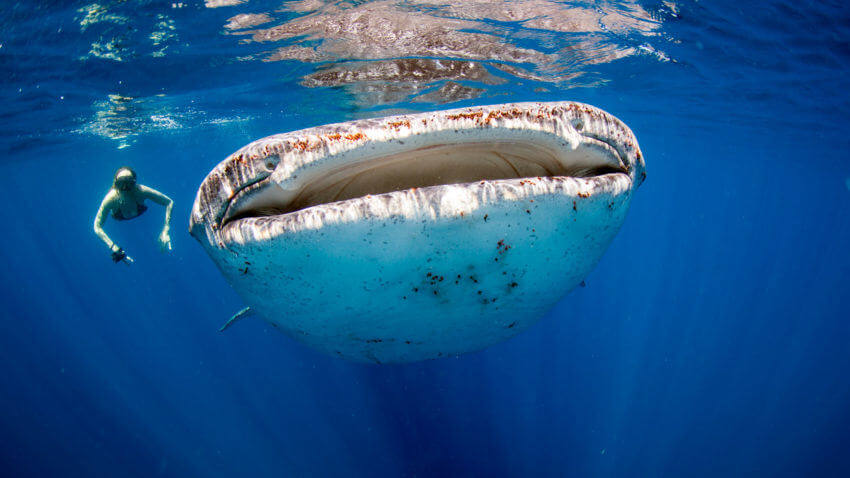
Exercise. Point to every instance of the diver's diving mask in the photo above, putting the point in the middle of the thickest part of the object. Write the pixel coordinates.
(125, 179)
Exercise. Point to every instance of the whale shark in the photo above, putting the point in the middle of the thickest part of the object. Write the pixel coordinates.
(423, 235)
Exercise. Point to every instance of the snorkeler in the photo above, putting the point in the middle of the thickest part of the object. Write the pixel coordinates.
(126, 200)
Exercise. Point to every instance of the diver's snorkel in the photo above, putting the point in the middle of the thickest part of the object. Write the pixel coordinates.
(125, 179)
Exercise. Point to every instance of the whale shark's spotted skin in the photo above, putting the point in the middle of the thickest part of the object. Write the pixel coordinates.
(419, 236)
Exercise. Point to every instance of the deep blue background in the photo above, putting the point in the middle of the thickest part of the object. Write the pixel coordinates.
(712, 340)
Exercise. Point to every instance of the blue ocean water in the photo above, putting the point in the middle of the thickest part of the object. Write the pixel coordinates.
(711, 340)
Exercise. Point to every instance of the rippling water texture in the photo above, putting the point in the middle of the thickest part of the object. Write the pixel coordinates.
(712, 339)
(159, 66)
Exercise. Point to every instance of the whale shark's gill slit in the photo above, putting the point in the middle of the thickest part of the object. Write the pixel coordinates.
(425, 167)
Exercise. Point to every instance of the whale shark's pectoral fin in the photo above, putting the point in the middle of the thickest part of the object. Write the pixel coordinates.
(237, 316)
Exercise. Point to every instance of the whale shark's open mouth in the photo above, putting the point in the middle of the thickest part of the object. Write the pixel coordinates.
(429, 166)
(331, 173)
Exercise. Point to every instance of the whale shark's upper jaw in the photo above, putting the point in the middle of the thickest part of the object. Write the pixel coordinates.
(279, 176)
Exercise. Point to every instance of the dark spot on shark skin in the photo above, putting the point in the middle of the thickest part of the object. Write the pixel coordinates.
(511, 325)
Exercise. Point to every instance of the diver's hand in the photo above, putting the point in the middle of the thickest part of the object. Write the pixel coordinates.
(118, 255)
(164, 241)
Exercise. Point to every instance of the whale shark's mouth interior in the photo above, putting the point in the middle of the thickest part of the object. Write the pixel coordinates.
(428, 166)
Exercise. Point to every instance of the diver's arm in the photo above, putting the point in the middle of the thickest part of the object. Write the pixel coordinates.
(162, 199)
(105, 207)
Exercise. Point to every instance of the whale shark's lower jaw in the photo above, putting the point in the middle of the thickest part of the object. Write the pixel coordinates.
(419, 236)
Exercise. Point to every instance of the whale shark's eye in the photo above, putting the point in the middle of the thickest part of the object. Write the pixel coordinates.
(270, 165)
(578, 125)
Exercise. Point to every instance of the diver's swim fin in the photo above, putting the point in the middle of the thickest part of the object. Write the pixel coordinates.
(237, 316)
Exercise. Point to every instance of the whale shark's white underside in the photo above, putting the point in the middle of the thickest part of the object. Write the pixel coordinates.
(419, 236)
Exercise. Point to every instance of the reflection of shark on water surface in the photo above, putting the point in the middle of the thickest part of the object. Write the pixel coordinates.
(418, 236)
